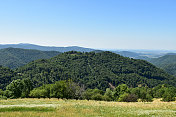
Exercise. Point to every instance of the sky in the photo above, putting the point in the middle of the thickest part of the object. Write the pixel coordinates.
(103, 24)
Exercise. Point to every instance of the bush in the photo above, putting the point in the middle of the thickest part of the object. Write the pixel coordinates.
(1, 92)
(123, 97)
(128, 98)
(3, 97)
(149, 98)
(93, 94)
(97, 97)
(131, 98)
(120, 90)
(169, 94)
(167, 97)
(38, 93)
(107, 98)
(8, 94)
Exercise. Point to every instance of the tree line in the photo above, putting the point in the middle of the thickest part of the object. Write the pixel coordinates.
(70, 90)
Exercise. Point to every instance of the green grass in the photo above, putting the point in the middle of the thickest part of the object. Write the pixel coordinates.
(24, 109)
(84, 108)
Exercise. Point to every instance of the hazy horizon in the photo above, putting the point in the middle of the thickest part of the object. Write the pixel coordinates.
(98, 24)
(108, 49)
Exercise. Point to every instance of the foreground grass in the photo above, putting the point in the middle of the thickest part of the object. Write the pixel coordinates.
(24, 109)
(84, 108)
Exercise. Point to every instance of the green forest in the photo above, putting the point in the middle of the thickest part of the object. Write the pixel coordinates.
(88, 75)
(167, 63)
(95, 70)
(16, 57)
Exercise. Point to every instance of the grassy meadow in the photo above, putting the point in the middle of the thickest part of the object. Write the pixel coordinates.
(84, 108)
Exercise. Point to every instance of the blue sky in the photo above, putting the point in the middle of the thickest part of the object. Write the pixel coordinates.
(110, 24)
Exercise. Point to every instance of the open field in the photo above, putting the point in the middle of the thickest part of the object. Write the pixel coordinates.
(84, 108)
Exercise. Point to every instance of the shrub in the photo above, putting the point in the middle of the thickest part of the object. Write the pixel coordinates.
(107, 98)
(38, 93)
(98, 97)
(167, 97)
(128, 98)
(3, 97)
(123, 97)
(149, 98)
(131, 98)
(93, 94)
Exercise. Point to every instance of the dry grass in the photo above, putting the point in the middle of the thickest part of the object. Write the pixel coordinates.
(84, 108)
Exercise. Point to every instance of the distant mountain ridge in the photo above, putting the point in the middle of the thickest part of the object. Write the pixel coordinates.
(131, 54)
(145, 55)
(46, 48)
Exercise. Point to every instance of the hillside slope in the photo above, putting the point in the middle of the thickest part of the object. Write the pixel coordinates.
(167, 62)
(95, 70)
(164, 60)
(170, 68)
(6, 76)
(15, 57)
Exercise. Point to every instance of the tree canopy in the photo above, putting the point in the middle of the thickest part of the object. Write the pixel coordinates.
(95, 70)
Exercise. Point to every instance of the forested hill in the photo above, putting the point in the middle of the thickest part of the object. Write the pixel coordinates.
(167, 62)
(15, 57)
(95, 70)
(164, 60)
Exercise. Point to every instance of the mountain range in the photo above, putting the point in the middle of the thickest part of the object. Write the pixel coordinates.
(132, 54)
(46, 48)
(137, 54)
